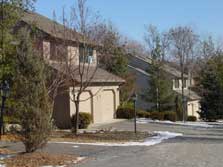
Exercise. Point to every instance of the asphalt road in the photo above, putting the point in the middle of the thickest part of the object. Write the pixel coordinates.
(199, 147)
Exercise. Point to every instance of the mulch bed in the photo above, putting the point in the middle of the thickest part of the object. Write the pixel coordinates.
(39, 159)
(86, 137)
(11, 138)
(101, 136)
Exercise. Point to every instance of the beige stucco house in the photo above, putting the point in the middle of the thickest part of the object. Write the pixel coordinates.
(101, 96)
(192, 98)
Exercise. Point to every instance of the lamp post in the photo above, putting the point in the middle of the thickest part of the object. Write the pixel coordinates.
(134, 98)
(4, 93)
(185, 109)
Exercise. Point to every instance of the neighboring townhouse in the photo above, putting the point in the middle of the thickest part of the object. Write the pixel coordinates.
(139, 66)
(101, 97)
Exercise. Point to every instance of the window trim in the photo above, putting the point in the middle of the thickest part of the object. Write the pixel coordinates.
(184, 83)
(176, 82)
(89, 56)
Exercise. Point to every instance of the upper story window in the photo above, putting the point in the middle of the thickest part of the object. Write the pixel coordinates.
(58, 52)
(177, 83)
(86, 55)
(46, 50)
(185, 83)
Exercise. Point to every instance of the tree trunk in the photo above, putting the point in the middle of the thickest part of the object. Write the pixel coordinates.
(182, 91)
(77, 106)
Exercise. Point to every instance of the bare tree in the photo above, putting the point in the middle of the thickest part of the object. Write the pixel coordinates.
(113, 55)
(160, 91)
(77, 63)
(151, 37)
(182, 41)
(81, 77)
(80, 64)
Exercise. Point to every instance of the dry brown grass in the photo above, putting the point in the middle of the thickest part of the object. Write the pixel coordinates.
(39, 159)
(101, 136)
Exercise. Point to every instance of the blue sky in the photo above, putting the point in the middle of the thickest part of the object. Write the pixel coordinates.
(131, 16)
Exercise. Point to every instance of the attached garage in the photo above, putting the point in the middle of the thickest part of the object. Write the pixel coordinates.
(100, 99)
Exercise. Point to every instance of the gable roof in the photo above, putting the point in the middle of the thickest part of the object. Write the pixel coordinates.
(57, 30)
(191, 95)
(53, 28)
(166, 67)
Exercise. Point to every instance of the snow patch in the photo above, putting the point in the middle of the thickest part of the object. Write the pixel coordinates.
(160, 136)
(75, 146)
(192, 124)
(2, 157)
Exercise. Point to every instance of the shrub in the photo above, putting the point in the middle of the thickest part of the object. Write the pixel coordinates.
(157, 115)
(36, 127)
(127, 105)
(170, 116)
(33, 105)
(11, 119)
(84, 120)
(125, 113)
(143, 114)
(148, 115)
(192, 118)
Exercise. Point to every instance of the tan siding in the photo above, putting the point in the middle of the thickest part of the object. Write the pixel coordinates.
(73, 55)
(103, 104)
(46, 50)
(193, 107)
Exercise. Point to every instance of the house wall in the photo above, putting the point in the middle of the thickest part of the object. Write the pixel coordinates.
(61, 109)
(73, 54)
(100, 101)
(180, 84)
(54, 51)
(193, 107)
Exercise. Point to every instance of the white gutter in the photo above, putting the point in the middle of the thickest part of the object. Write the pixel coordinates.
(139, 70)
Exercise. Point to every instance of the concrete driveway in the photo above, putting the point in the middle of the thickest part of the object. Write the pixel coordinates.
(199, 147)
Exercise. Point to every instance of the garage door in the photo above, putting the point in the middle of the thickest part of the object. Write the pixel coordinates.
(108, 105)
(86, 104)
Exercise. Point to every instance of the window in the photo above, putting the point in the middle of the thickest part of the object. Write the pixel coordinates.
(58, 52)
(86, 55)
(184, 83)
(177, 83)
(46, 49)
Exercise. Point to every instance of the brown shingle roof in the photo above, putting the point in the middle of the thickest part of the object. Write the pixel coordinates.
(53, 28)
(92, 74)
